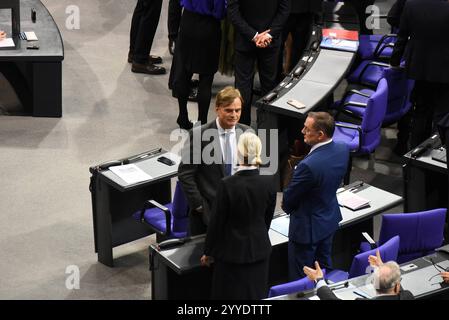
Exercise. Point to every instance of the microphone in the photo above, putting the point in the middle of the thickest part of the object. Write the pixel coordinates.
(418, 151)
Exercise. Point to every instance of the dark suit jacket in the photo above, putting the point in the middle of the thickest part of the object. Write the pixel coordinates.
(200, 180)
(300, 6)
(239, 223)
(426, 22)
(310, 198)
(252, 16)
(325, 293)
(395, 12)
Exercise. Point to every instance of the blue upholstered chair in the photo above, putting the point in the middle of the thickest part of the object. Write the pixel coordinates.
(376, 46)
(398, 102)
(363, 138)
(421, 232)
(169, 220)
(292, 286)
(360, 265)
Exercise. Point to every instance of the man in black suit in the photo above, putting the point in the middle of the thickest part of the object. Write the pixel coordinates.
(258, 37)
(204, 155)
(143, 28)
(386, 280)
(303, 13)
(422, 30)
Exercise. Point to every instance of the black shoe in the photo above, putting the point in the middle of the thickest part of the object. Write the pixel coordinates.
(184, 123)
(147, 68)
(171, 46)
(151, 59)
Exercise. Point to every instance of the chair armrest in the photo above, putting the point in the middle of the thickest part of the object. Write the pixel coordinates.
(381, 42)
(370, 240)
(352, 127)
(355, 104)
(154, 204)
(372, 63)
(360, 93)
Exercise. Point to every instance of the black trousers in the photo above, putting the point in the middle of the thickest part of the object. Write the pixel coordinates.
(267, 61)
(300, 27)
(431, 104)
(143, 28)
(174, 18)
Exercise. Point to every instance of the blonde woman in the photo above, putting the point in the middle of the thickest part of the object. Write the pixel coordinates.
(237, 237)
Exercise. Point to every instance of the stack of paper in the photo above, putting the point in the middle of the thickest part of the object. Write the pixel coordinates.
(130, 173)
(7, 43)
(351, 200)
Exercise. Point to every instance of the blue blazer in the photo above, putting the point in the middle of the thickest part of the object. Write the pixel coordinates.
(310, 197)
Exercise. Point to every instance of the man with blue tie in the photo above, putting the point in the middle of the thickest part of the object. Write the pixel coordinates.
(310, 198)
(208, 156)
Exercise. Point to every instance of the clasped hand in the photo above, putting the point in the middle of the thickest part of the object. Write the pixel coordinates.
(263, 39)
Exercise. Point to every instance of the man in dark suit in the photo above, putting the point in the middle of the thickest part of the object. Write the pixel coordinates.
(311, 199)
(143, 28)
(422, 30)
(303, 13)
(386, 281)
(204, 156)
(258, 37)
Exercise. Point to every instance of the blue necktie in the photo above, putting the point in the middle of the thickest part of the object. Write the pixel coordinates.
(228, 154)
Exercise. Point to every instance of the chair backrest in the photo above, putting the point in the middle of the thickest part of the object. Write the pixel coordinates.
(292, 286)
(373, 117)
(420, 232)
(399, 90)
(180, 210)
(388, 252)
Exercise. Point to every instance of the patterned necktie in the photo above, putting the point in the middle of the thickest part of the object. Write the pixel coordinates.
(228, 154)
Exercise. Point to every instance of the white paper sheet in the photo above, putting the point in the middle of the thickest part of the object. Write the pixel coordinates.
(7, 43)
(130, 173)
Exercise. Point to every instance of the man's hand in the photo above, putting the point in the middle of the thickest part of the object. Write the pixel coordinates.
(206, 260)
(375, 261)
(445, 276)
(263, 39)
(2, 35)
(313, 274)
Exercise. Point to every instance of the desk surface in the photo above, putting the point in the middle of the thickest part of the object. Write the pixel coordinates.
(425, 160)
(417, 280)
(149, 165)
(325, 74)
(380, 200)
(186, 257)
(50, 41)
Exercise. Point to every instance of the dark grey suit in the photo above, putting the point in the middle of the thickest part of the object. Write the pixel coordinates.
(200, 177)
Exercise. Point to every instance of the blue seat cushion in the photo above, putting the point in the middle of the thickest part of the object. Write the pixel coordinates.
(371, 75)
(156, 218)
(358, 111)
(348, 136)
(337, 275)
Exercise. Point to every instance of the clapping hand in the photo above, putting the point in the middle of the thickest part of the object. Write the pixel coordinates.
(2, 35)
(375, 261)
(313, 274)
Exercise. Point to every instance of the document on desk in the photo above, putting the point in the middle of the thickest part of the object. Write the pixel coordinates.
(351, 200)
(7, 43)
(281, 224)
(130, 173)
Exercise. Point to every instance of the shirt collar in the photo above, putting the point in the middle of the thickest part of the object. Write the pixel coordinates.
(320, 145)
(245, 168)
(223, 131)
